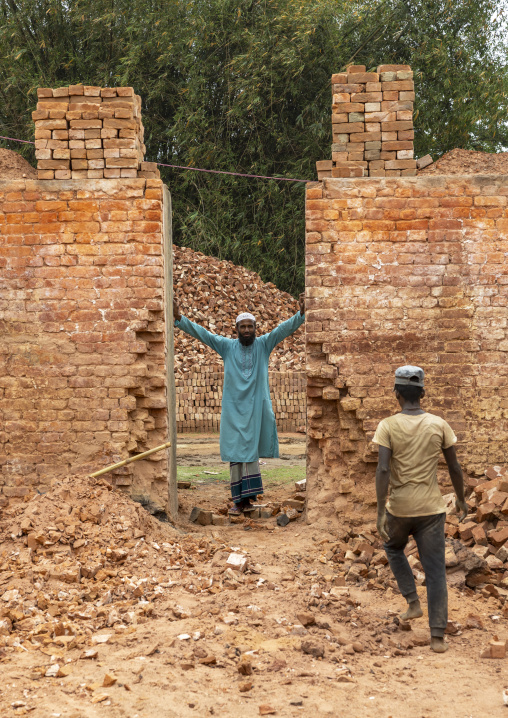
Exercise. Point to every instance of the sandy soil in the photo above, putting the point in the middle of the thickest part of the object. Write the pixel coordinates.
(198, 627)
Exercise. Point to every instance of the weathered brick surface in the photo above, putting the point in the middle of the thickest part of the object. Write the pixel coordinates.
(82, 369)
(408, 270)
(199, 397)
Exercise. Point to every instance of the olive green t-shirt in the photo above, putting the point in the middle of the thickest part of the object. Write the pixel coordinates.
(416, 443)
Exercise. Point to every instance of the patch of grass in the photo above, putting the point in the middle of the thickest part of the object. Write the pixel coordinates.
(278, 475)
(272, 476)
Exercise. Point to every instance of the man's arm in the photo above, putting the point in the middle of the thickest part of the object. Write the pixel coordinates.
(215, 342)
(285, 329)
(457, 480)
(382, 483)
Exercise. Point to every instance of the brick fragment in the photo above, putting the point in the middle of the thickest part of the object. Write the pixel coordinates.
(466, 530)
(423, 162)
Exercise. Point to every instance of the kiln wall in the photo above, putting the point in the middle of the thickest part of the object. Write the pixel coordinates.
(409, 270)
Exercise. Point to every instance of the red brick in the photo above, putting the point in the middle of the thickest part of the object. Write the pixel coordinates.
(399, 85)
(361, 77)
(364, 97)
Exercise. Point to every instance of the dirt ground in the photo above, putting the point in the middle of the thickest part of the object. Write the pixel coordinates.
(233, 644)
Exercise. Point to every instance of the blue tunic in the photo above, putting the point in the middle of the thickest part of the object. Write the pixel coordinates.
(247, 428)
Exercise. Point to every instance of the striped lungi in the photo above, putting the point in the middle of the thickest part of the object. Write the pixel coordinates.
(245, 480)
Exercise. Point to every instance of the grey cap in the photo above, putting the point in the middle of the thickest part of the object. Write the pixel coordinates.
(409, 376)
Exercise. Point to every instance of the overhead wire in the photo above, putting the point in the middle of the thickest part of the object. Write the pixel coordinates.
(195, 169)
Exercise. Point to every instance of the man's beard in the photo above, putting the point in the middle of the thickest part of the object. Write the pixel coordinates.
(247, 341)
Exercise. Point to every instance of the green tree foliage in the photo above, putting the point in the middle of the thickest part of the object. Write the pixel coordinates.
(244, 86)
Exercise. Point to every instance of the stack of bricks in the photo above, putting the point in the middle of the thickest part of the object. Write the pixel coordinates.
(199, 398)
(84, 132)
(372, 123)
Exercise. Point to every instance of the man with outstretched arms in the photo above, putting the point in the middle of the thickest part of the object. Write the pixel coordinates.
(247, 427)
(410, 444)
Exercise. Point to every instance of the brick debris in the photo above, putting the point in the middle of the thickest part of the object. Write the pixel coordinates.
(212, 292)
(83, 565)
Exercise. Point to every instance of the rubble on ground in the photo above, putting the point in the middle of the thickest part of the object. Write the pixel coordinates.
(289, 509)
(480, 542)
(83, 565)
(212, 293)
(83, 558)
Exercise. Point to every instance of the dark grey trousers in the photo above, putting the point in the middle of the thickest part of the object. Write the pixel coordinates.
(428, 532)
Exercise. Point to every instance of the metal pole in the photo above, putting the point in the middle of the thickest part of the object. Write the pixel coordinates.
(132, 458)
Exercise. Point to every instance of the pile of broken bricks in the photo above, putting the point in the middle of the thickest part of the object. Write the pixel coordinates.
(212, 293)
(485, 530)
(83, 565)
(83, 558)
(284, 512)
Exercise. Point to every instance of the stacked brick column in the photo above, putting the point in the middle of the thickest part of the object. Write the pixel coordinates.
(84, 132)
(372, 123)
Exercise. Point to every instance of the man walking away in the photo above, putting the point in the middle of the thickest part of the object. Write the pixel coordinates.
(247, 423)
(410, 444)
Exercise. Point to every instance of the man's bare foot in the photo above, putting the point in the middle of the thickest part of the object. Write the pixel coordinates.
(414, 610)
(438, 645)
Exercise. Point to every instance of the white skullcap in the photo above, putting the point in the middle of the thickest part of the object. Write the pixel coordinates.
(245, 315)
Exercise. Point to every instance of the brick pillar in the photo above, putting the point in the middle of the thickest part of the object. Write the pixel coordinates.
(85, 360)
(84, 132)
(372, 123)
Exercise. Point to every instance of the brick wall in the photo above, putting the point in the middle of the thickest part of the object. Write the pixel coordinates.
(82, 357)
(403, 270)
(199, 396)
